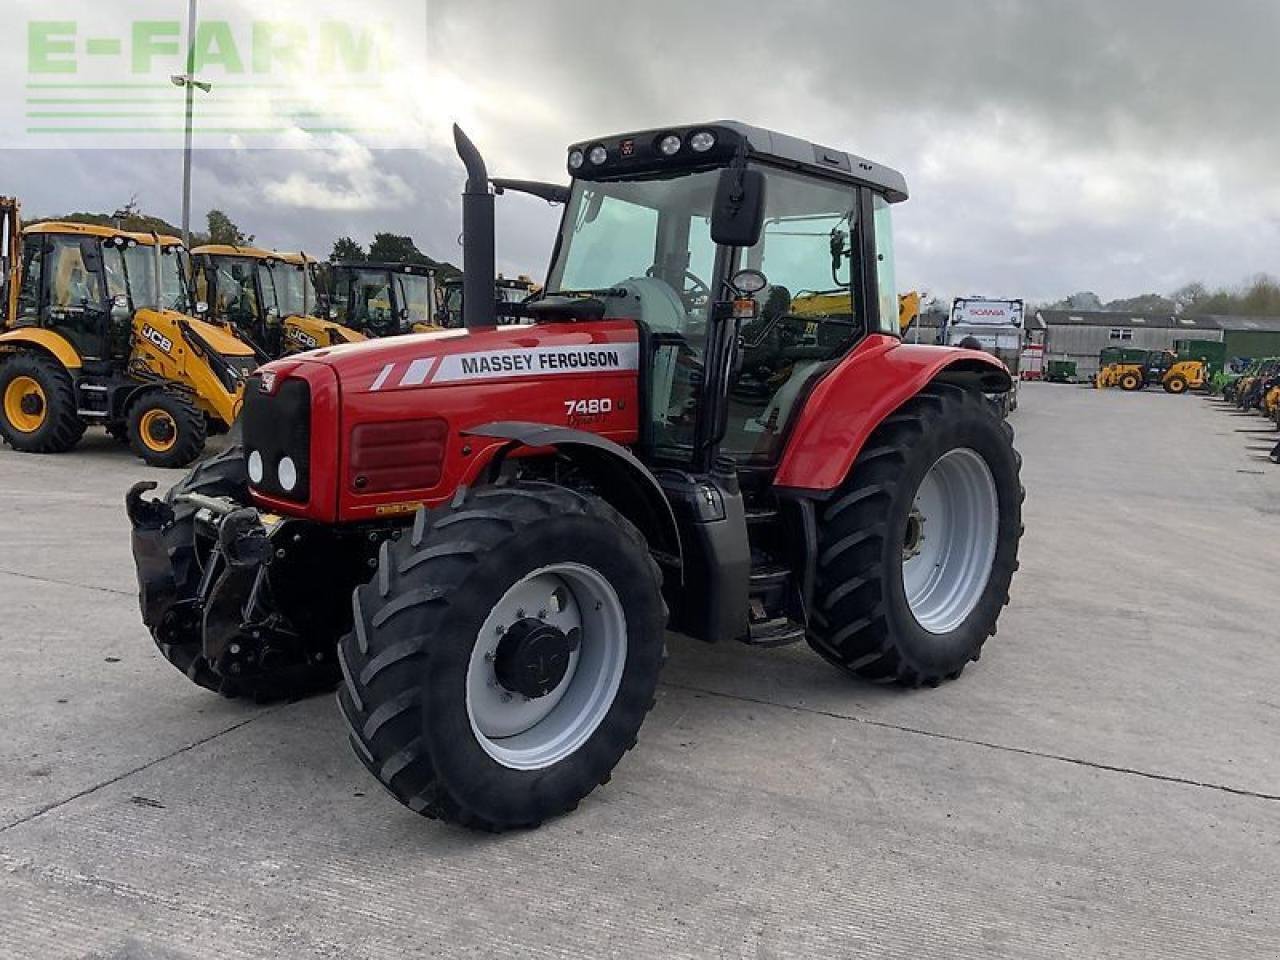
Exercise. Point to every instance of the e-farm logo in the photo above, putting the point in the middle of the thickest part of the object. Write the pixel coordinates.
(273, 73)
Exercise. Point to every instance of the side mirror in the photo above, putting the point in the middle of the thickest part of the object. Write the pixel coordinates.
(738, 217)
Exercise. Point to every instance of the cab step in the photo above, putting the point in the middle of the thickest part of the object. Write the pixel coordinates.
(776, 632)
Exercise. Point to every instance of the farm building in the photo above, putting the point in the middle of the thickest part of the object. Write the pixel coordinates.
(1082, 335)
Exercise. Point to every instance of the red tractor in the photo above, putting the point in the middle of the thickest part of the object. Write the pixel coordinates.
(482, 534)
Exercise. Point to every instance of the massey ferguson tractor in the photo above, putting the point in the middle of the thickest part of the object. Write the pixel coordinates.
(483, 534)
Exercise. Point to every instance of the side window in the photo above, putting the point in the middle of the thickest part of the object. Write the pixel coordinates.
(32, 276)
(71, 285)
(414, 292)
(886, 275)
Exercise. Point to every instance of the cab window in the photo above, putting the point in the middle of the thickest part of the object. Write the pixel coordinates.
(32, 278)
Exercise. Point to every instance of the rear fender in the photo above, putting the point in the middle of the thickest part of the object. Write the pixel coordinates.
(51, 343)
(619, 478)
(846, 406)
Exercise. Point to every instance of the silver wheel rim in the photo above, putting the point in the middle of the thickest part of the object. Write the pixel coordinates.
(532, 734)
(950, 546)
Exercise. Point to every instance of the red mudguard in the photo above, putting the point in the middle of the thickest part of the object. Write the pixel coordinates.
(850, 402)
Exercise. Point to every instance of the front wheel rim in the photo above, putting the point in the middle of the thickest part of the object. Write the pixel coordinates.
(25, 404)
(534, 733)
(950, 545)
(159, 431)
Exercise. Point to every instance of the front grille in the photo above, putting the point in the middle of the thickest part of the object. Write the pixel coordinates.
(278, 425)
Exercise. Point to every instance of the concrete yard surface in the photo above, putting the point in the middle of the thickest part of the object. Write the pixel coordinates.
(1105, 782)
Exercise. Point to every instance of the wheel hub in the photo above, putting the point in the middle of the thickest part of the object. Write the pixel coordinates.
(913, 540)
(160, 430)
(533, 657)
(32, 404)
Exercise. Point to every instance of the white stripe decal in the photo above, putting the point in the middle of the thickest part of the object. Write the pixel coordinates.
(417, 372)
(382, 377)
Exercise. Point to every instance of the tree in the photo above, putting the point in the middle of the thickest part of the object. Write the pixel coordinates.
(345, 249)
(1147, 303)
(223, 230)
(393, 248)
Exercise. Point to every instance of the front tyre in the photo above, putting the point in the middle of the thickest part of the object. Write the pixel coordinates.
(504, 656)
(917, 552)
(1176, 384)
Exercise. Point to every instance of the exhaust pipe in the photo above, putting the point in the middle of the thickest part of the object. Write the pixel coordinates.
(478, 261)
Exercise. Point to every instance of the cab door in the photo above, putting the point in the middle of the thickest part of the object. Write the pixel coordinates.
(71, 295)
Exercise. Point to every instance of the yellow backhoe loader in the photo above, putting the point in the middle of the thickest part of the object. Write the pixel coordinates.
(384, 299)
(97, 332)
(269, 297)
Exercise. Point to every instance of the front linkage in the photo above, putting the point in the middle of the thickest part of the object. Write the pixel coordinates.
(243, 604)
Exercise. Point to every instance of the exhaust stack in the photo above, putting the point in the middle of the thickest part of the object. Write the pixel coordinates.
(478, 261)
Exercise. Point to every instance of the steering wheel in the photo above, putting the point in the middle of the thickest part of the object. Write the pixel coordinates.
(694, 297)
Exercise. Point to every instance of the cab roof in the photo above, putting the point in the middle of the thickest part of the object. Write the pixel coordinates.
(418, 269)
(251, 253)
(635, 154)
(96, 230)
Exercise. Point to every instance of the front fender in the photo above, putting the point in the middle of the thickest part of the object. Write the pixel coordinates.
(621, 479)
(59, 347)
(871, 383)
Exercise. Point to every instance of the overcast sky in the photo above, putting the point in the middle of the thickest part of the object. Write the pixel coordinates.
(1121, 147)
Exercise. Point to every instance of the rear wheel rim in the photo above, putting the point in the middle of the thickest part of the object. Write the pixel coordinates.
(25, 405)
(950, 545)
(526, 733)
(159, 431)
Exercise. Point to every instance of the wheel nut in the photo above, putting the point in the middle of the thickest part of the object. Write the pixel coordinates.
(234, 649)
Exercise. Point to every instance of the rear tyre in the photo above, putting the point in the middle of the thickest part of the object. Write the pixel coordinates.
(1131, 382)
(917, 551)
(166, 430)
(38, 404)
(504, 656)
(1176, 384)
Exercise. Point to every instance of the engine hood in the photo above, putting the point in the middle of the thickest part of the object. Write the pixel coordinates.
(451, 357)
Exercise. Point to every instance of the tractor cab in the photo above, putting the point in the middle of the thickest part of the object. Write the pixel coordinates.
(87, 283)
(509, 299)
(753, 262)
(383, 299)
(269, 297)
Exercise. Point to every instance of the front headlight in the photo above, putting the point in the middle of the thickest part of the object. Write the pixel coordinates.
(288, 474)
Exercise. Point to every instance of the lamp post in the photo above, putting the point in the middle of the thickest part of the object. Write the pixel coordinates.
(189, 82)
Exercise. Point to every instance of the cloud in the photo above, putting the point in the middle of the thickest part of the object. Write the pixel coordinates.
(1050, 145)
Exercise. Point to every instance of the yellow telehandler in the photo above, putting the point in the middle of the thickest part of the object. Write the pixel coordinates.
(97, 332)
(269, 297)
